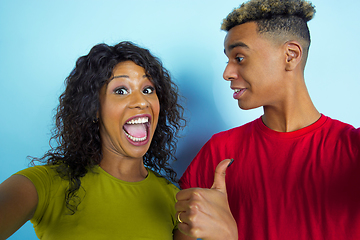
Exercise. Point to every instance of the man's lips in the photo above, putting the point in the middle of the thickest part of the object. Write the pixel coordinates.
(238, 92)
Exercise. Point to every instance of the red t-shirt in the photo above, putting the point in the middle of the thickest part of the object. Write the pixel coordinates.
(297, 185)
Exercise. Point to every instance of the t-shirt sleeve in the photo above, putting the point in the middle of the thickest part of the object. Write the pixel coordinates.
(200, 172)
(174, 216)
(41, 178)
(169, 193)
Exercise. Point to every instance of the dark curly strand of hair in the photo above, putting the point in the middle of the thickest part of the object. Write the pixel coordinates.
(76, 133)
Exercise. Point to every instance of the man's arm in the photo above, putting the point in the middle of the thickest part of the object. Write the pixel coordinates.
(205, 213)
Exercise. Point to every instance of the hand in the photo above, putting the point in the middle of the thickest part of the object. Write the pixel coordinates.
(205, 213)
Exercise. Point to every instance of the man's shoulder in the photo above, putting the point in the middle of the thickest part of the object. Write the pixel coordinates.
(340, 126)
(342, 130)
(246, 128)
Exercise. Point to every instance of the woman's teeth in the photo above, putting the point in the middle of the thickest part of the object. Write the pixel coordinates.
(138, 120)
(135, 139)
(136, 129)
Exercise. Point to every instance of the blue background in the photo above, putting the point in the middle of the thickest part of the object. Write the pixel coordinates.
(41, 40)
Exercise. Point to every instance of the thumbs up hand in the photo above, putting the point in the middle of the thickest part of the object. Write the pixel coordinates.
(205, 213)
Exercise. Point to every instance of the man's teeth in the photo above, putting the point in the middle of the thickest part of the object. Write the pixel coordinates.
(138, 120)
(135, 139)
(237, 90)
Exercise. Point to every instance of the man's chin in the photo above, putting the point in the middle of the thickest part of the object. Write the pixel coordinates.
(246, 106)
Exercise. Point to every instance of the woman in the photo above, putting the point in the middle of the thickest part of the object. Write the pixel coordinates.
(116, 129)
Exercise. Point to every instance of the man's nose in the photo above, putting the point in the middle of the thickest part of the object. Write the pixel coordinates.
(230, 72)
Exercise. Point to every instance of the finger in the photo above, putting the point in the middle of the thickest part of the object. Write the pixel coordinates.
(183, 218)
(219, 177)
(188, 228)
(185, 229)
(179, 219)
(182, 206)
(187, 194)
(192, 205)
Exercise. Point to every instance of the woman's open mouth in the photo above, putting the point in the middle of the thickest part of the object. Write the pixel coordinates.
(137, 129)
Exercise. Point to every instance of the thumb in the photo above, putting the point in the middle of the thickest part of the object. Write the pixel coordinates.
(219, 177)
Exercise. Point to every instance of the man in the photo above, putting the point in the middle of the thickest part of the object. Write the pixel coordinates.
(296, 172)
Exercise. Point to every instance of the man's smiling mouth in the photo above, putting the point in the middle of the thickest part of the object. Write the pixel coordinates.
(238, 92)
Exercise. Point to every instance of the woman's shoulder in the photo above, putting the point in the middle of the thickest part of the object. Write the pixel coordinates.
(40, 171)
(42, 176)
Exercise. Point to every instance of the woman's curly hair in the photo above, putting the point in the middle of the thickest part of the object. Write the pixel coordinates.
(78, 146)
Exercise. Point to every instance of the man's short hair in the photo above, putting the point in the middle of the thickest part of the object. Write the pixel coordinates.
(275, 17)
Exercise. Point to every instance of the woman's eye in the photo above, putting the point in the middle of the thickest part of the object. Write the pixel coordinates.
(148, 90)
(121, 91)
(239, 59)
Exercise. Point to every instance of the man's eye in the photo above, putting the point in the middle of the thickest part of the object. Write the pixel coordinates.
(239, 59)
(148, 90)
(121, 91)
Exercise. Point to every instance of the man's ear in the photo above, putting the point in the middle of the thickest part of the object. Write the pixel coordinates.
(294, 53)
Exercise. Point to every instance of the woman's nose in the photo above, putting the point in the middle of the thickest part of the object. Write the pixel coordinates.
(138, 100)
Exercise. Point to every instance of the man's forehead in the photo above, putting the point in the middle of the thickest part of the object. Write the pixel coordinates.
(240, 36)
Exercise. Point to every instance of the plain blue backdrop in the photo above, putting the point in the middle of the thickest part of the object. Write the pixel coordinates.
(41, 40)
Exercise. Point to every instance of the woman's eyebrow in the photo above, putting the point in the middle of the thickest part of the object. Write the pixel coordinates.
(119, 76)
(125, 76)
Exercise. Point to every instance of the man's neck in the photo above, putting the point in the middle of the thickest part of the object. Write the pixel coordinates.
(296, 112)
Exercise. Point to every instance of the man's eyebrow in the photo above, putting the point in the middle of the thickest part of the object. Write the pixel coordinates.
(237, 44)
